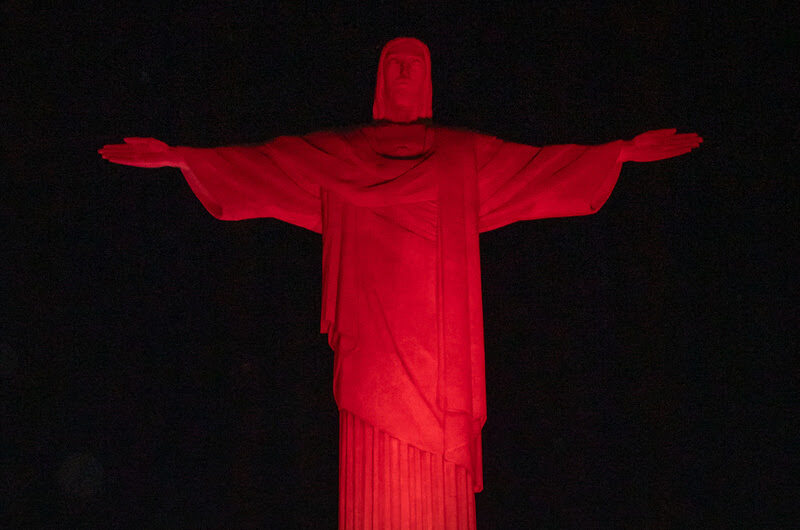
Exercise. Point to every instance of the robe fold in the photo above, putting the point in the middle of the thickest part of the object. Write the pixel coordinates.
(401, 300)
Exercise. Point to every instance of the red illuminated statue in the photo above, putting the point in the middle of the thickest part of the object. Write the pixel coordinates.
(400, 204)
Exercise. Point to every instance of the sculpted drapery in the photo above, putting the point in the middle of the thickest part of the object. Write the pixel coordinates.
(401, 272)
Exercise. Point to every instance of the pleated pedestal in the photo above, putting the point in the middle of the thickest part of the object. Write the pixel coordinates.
(385, 483)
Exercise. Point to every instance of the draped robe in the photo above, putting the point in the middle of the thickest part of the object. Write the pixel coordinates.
(401, 300)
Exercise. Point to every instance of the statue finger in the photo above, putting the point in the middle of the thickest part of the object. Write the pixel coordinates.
(680, 139)
(137, 162)
(678, 144)
(688, 136)
(113, 147)
(118, 159)
(119, 152)
(118, 148)
(122, 156)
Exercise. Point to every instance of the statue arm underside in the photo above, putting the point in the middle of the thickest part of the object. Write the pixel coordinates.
(244, 182)
(518, 182)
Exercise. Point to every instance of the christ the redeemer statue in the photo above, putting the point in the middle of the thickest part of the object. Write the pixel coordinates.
(400, 203)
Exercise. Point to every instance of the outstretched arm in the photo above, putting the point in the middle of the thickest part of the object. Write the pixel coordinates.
(518, 182)
(658, 145)
(239, 182)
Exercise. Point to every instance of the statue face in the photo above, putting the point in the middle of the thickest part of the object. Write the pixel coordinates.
(403, 90)
(404, 76)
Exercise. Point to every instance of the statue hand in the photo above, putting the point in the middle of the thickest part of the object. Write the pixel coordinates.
(142, 152)
(658, 145)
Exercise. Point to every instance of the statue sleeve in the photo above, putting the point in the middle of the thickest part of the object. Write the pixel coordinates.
(244, 182)
(518, 182)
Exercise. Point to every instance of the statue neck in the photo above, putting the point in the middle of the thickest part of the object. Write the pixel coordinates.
(400, 140)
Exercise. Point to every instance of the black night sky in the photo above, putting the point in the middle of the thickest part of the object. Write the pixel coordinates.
(162, 369)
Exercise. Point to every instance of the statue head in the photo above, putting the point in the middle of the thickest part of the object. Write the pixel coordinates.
(403, 92)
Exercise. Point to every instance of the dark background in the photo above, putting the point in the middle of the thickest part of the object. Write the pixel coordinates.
(161, 368)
